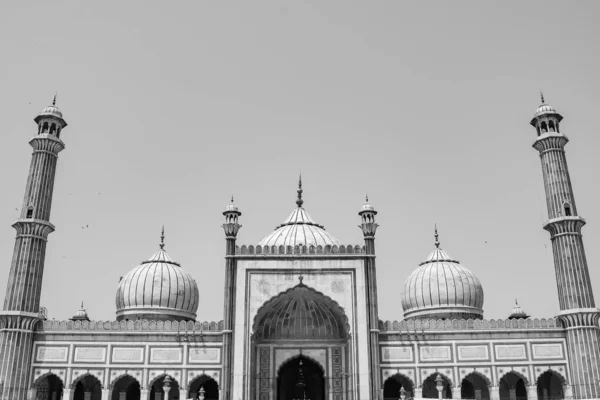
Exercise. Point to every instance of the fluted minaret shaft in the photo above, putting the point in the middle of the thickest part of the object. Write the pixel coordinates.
(231, 227)
(578, 313)
(22, 301)
(369, 227)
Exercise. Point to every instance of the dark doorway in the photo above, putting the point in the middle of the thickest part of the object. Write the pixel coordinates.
(391, 387)
(157, 392)
(49, 388)
(210, 386)
(512, 387)
(430, 388)
(88, 384)
(549, 387)
(300, 378)
(474, 387)
(129, 386)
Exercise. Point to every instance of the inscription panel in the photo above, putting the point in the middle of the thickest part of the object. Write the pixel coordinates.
(510, 352)
(204, 355)
(435, 353)
(51, 354)
(473, 352)
(128, 354)
(397, 354)
(165, 355)
(548, 351)
(90, 354)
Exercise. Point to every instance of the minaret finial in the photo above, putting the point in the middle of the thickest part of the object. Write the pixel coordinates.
(54, 100)
(366, 198)
(437, 241)
(299, 202)
(542, 96)
(162, 238)
(82, 305)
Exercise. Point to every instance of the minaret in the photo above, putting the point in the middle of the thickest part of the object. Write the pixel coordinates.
(21, 310)
(231, 227)
(578, 311)
(368, 227)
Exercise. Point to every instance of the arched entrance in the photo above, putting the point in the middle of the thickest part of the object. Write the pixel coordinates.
(210, 386)
(512, 387)
(430, 387)
(89, 385)
(473, 386)
(128, 385)
(157, 389)
(48, 387)
(550, 386)
(392, 385)
(300, 378)
(310, 326)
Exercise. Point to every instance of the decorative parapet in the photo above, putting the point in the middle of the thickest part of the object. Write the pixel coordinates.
(468, 324)
(300, 250)
(140, 326)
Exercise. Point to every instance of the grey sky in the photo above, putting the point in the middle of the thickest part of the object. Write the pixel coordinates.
(174, 106)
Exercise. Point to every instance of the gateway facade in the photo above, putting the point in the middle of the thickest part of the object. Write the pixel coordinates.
(300, 315)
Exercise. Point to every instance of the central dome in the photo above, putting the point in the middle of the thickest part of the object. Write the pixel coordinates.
(442, 288)
(299, 229)
(159, 289)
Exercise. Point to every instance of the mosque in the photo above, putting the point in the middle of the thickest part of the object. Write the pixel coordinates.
(300, 318)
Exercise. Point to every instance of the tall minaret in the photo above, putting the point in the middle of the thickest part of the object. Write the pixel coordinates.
(369, 227)
(231, 227)
(578, 311)
(22, 302)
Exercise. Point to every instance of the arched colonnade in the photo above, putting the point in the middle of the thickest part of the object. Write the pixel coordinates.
(550, 385)
(125, 387)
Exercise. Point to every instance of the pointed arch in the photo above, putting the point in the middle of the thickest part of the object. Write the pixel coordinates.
(112, 383)
(473, 383)
(48, 374)
(429, 389)
(481, 375)
(300, 312)
(81, 377)
(517, 373)
(550, 384)
(558, 374)
(159, 377)
(298, 357)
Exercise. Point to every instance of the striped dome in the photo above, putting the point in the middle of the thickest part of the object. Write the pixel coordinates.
(299, 229)
(544, 109)
(442, 288)
(158, 289)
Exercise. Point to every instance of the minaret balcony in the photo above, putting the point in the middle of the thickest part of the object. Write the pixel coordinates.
(550, 141)
(564, 226)
(36, 228)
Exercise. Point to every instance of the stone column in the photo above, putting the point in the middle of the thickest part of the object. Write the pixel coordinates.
(494, 393)
(182, 394)
(144, 393)
(106, 394)
(478, 394)
(32, 394)
(532, 392)
(87, 395)
(67, 394)
(122, 395)
(512, 394)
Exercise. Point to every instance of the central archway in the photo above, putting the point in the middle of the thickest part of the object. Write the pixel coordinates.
(300, 378)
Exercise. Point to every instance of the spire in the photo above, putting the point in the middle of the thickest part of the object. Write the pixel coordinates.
(162, 238)
(54, 100)
(542, 96)
(299, 202)
(82, 305)
(437, 237)
(366, 198)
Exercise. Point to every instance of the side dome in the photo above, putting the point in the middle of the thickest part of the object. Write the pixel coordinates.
(158, 289)
(442, 288)
(299, 229)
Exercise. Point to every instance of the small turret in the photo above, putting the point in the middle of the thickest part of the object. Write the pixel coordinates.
(80, 315)
(517, 312)
(367, 214)
(231, 225)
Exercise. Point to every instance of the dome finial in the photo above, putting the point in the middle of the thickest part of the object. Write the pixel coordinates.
(82, 305)
(437, 237)
(162, 238)
(54, 100)
(542, 96)
(366, 198)
(299, 202)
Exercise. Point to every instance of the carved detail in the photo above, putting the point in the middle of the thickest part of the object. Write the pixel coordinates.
(550, 142)
(143, 325)
(417, 326)
(564, 225)
(36, 228)
(299, 250)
